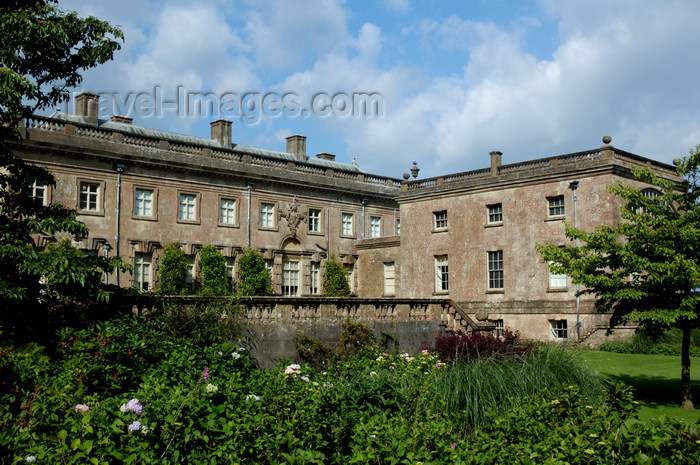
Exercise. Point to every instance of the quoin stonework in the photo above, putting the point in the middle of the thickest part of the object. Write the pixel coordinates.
(461, 246)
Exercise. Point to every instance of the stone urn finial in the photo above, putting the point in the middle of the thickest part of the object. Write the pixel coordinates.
(415, 170)
(607, 140)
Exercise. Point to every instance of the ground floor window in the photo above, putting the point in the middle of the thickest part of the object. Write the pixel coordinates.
(142, 271)
(499, 328)
(442, 282)
(290, 278)
(314, 277)
(559, 329)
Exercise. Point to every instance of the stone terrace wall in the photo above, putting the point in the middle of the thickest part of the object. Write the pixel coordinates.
(272, 321)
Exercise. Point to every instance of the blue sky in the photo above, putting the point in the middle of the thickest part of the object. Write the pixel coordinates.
(455, 80)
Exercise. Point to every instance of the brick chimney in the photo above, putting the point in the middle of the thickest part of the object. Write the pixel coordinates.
(496, 157)
(326, 156)
(221, 131)
(87, 106)
(297, 145)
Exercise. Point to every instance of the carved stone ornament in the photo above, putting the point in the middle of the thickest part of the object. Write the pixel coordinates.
(293, 217)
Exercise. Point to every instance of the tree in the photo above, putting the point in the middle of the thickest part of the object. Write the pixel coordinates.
(213, 267)
(253, 277)
(645, 268)
(43, 52)
(172, 274)
(335, 283)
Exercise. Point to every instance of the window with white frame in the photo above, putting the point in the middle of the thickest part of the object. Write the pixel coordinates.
(499, 328)
(559, 329)
(290, 277)
(227, 211)
(267, 215)
(191, 272)
(556, 280)
(314, 220)
(188, 207)
(648, 193)
(143, 202)
(142, 271)
(495, 213)
(38, 192)
(89, 196)
(442, 274)
(314, 277)
(230, 275)
(389, 279)
(375, 224)
(496, 269)
(346, 227)
(440, 219)
(555, 205)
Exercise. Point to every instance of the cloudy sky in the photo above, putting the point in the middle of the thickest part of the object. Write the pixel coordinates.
(449, 81)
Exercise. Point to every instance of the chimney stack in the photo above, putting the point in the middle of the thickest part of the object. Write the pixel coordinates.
(296, 145)
(326, 156)
(122, 119)
(496, 157)
(87, 106)
(221, 131)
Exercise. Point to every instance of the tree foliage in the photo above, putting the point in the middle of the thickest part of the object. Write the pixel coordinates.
(335, 283)
(646, 267)
(172, 274)
(212, 265)
(254, 278)
(43, 52)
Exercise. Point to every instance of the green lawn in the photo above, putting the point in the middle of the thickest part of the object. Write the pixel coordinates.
(656, 379)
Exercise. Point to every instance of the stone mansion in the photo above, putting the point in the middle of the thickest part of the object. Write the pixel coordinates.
(468, 237)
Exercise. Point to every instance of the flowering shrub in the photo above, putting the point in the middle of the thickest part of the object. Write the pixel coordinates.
(185, 404)
(460, 346)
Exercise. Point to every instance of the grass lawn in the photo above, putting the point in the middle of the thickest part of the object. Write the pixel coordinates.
(656, 379)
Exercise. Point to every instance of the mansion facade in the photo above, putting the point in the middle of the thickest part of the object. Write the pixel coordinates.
(469, 237)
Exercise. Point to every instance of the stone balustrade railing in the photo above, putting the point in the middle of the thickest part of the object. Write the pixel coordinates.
(206, 150)
(579, 160)
(319, 310)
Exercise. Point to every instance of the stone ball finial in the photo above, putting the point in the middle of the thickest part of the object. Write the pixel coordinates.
(607, 139)
(406, 176)
(676, 161)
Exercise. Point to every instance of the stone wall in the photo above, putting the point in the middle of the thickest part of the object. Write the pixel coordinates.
(272, 322)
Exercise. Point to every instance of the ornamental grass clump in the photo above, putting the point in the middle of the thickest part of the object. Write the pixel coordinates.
(483, 387)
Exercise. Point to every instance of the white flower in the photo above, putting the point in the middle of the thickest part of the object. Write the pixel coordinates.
(236, 355)
(373, 373)
(123, 408)
(253, 397)
(30, 459)
(304, 379)
(135, 426)
(212, 388)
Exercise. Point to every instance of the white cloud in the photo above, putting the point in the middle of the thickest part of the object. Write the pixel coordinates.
(629, 75)
(397, 6)
(285, 33)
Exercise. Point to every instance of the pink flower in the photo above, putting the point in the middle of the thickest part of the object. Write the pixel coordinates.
(206, 373)
(82, 407)
(424, 351)
(292, 369)
(438, 365)
(453, 446)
